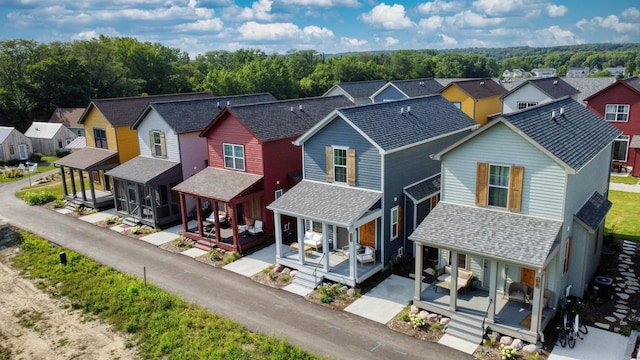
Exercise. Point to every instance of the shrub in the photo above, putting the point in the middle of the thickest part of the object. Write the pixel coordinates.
(58, 204)
(405, 317)
(13, 162)
(215, 254)
(417, 321)
(35, 157)
(38, 198)
(508, 352)
(62, 153)
(285, 278)
(231, 257)
(437, 327)
(111, 220)
(3, 162)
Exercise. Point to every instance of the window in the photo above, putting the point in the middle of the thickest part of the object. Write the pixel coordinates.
(614, 112)
(498, 185)
(316, 226)
(59, 144)
(279, 193)
(567, 255)
(233, 156)
(340, 165)
(621, 148)
(457, 104)
(100, 138)
(157, 145)
(12, 150)
(526, 104)
(395, 222)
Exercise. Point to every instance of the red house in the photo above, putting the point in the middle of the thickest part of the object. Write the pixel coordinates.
(252, 161)
(619, 103)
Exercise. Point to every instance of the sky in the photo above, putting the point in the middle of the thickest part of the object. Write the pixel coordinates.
(326, 26)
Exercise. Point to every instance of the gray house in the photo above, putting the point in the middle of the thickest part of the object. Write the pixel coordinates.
(14, 145)
(522, 208)
(536, 91)
(46, 137)
(349, 207)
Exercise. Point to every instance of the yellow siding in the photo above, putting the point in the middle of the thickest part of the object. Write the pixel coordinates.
(467, 104)
(486, 107)
(127, 143)
(95, 120)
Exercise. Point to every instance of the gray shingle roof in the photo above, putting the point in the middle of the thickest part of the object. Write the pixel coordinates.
(124, 111)
(589, 86)
(143, 169)
(554, 87)
(86, 158)
(69, 117)
(574, 137)
(387, 126)
(334, 204)
(418, 87)
(634, 82)
(592, 213)
(195, 114)
(361, 89)
(284, 119)
(635, 142)
(218, 184)
(425, 188)
(498, 234)
(479, 88)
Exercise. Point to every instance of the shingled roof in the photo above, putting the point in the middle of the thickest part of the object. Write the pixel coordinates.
(394, 124)
(634, 82)
(283, 119)
(360, 89)
(125, 110)
(553, 87)
(418, 87)
(195, 114)
(479, 88)
(424, 189)
(69, 117)
(592, 213)
(574, 135)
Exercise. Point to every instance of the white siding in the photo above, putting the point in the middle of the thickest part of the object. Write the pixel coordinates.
(543, 185)
(527, 93)
(153, 121)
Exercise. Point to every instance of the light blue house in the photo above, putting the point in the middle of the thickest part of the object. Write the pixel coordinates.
(405, 89)
(523, 202)
(356, 165)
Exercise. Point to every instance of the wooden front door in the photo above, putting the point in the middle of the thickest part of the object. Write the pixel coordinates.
(368, 234)
(527, 276)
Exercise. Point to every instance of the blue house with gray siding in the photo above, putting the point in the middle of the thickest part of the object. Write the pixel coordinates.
(522, 206)
(356, 165)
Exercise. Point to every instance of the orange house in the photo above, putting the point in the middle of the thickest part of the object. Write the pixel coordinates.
(478, 98)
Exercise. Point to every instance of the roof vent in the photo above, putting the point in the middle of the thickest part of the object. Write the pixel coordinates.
(555, 82)
(421, 83)
(561, 111)
(409, 108)
(218, 104)
(481, 83)
(553, 115)
(300, 107)
(401, 110)
(292, 109)
(228, 102)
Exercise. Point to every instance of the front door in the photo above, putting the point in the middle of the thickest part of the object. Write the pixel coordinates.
(134, 200)
(368, 234)
(527, 276)
(22, 151)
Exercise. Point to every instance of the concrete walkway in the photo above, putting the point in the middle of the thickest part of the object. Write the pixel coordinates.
(624, 187)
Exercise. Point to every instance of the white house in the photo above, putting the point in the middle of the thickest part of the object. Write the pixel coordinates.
(13, 144)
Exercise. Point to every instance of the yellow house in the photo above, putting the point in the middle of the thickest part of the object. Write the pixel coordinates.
(478, 98)
(110, 142)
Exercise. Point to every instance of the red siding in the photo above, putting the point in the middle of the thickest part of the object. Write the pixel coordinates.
(230, 130)
(620, 94)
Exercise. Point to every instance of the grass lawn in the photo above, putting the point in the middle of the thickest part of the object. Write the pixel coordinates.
(163, 326)
(45, 164)
(622, 220)
(54, 187)
(624, 180)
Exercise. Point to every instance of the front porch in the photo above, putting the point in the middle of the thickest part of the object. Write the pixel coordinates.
(223, 239)
(102, 200)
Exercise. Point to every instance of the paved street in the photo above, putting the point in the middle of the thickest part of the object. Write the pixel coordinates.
(322, 331)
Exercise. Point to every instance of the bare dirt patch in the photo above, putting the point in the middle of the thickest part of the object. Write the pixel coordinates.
(37, 326)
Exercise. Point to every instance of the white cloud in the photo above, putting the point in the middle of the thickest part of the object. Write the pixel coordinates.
(353, 42)
(440, 6)
(316, 32)
(387, 41)
(430, 24)
(448, 41)
(469, 19)
(95, 33)
(202, 25)
(388, 17)
(610, 22)
(631, 14)
(498, 7)
(274, 31)
(556, 10)
(323, 3)
(553, 36)
(259, 10)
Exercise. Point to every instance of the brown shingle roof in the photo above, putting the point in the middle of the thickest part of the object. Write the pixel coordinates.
(69, 117)
(479, 88)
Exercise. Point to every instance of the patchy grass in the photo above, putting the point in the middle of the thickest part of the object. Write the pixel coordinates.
(45, 164)
(624, 180)
(163, 326)
(622, 219)
(54, 187)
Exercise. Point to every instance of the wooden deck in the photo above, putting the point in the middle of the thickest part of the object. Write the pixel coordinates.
(104, 199)
(224, 240)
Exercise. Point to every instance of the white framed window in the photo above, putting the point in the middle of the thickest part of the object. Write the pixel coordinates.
(617, 112)
(316, 226)
(278, 193)
(157, 142)
(621, 148)
(395, 224)
(526, 104)
(498, 185)
(340, 164)
(233, 156)
(100, 138)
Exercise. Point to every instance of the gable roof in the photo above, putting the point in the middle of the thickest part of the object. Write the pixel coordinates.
(125, 110)
(195, 114)
(632, 83)
(359, 89)
(553, 87)
(282, 119)
(69, 117)
(396, 124)
(417, 87)
(593, 212)
(423, 189)
(4, 132)
(574, 137)
(589, 85)
(478, 88)
(43, 130)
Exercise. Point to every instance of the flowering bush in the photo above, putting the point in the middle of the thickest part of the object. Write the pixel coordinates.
(417, 321)
(508, 352)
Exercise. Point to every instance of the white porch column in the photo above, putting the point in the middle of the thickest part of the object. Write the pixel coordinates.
(325, 246)
(453, 293)
(536, 302)
(353, 237)
(334, 239)
(419, 254)
(300, 240)
(493, 289)
(277, 224)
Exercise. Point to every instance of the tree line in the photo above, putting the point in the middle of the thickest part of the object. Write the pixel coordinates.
(36, 78)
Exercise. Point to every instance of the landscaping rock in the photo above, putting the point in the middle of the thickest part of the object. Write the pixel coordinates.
(414, 310)
(432, 318)
(286, 271)
(278, 268)
(530, 349)
(293, 273)
(445, 321)
(344, 289)
(506, 340)
(423, 315)
(517, 344)
(351, 292)
(493, 336)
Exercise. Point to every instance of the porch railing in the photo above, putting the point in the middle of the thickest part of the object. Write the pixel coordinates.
(315, 269)
(485, 318)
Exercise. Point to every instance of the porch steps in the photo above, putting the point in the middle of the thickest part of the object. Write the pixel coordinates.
(130, 221)
(72, 205)
(204, 244)
(306, 279)
(465, 327)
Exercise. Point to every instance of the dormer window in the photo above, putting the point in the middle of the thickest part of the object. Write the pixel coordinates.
(617, 112)
(341, 165)
(234, 156)
(157, 144)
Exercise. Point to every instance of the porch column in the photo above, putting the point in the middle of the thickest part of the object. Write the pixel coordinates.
(277, 224)
(325, 246)
(301, 231)
(64, 181)
(536, 302)
(73, 182)
(92, 187)
(493, 289)
(417, 292)
(353, 240)
(453, 293)
(199, 216)
(82, 188)
(183, 212)
(335, 236)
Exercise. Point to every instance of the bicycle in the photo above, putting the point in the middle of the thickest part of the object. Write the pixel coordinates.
(571, 325)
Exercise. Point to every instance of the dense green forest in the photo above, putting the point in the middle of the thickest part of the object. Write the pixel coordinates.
(36, 78)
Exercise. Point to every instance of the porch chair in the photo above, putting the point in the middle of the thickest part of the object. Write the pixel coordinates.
(256, 228)
(369, 255)
(520, 292)
(33, 168)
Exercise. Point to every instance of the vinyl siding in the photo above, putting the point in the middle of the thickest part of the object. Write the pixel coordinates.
(192, 153)
(390, 93)
(128, 147)
(486, 107)
(527, 93)
(543, 184)
(339, 133)
(154, 122)
(14, 138)
(230, 130)
(95, 120)
(467, 104)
